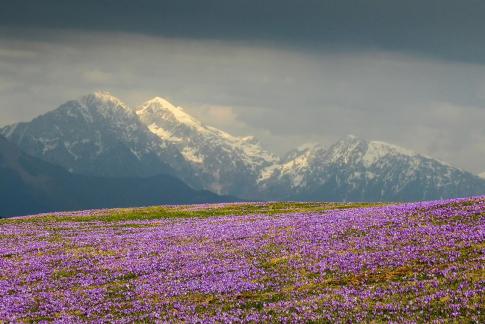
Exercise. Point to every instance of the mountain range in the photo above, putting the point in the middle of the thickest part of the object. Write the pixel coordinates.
(30, 185)
(353, 169)
(98, 135)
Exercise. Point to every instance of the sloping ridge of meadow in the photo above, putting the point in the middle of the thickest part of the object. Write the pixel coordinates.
(247, 262)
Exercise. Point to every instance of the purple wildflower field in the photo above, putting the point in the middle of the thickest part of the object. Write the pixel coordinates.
(415, 262)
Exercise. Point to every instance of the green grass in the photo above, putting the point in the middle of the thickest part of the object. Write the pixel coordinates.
(186, 211)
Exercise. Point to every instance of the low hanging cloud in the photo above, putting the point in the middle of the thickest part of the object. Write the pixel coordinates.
(284, 96)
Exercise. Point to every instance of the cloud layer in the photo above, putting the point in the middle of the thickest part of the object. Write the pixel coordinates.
(447, 29)
(285, 96)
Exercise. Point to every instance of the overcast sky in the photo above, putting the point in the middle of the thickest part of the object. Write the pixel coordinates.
(407, 72)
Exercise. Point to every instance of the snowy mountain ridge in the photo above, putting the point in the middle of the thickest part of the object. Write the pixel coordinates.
(168, 121)
(100, 135)
(356, 169)
(94, 135)
(217, 156)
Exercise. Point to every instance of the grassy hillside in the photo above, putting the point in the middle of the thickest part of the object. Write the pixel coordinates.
(247, 261)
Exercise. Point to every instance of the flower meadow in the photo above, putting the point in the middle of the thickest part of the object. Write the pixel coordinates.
(414, 262)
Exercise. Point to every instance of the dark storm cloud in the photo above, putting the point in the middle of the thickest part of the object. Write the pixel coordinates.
(450, 29)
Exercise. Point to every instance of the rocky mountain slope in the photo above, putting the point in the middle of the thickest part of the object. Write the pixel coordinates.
(99, 135)
(30, 185)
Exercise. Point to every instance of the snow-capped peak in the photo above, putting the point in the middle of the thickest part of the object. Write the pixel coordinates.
(352, 149)
(160, 108)
(104, 95)
(219, 157)
(162, 103)
(102, 98)
(172, 123)
(345, 149)
(377, 149)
